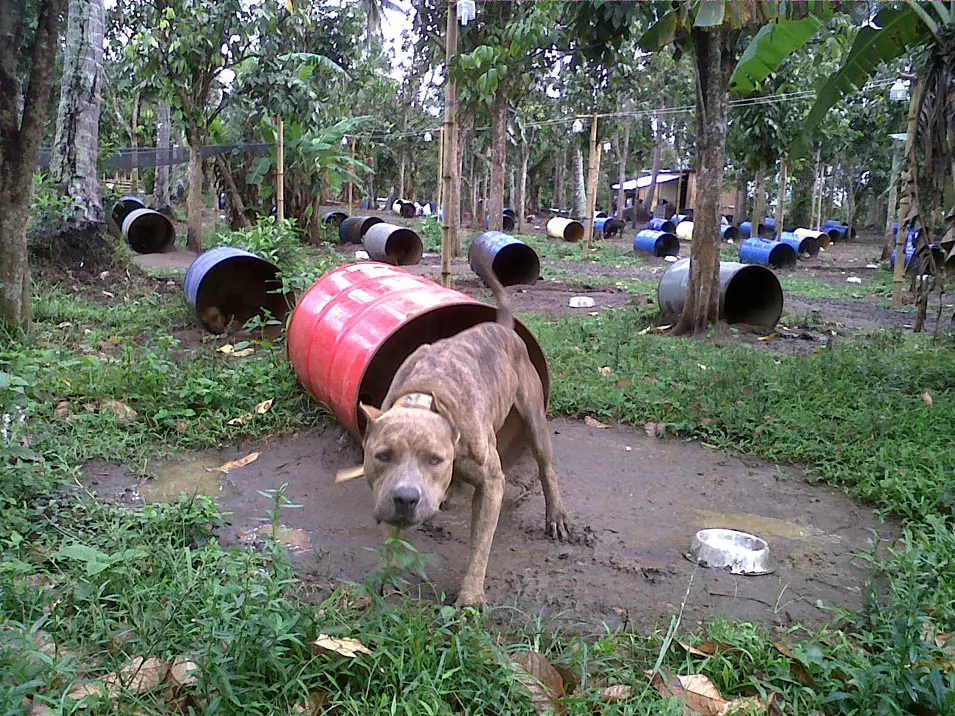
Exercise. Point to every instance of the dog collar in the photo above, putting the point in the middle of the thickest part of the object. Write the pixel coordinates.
(415, 400)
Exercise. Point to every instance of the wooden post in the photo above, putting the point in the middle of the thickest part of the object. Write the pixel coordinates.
(591, 188)
(452, 171)
(351, 184)
(898, 273)
(280, 173)
(781, 195)
(440, 187)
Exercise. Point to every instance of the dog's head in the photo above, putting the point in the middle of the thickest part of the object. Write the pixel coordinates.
(409, 454)
(214, 319)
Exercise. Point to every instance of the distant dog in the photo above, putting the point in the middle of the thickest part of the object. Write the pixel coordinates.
(441, 417)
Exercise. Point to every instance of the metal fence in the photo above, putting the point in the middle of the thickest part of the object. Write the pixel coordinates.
(127, 158)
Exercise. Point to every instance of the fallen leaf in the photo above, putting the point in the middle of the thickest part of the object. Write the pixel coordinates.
(92, 688)
(180, 426)
(242, 419)
(124, 414)
(541, 679)
(709, 648)
(243, 353)
(264, 407)
(621, 383)
(64, 324)
(594, 423)
(183, 672)
(799, 669)
(927, 399)
(931, 635)
(241, 462)
(606, 371)
(35, 709)
(654, 430)
(743, 707)
(349, 474)
(349, 648)
(108, 294)
(614, 694)
(702, 367)
(138, 676)
(227, 348)
(766, 338)
(696, 690)
(62, 409)
(314, 704)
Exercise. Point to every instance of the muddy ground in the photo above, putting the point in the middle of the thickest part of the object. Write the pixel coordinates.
(636, 503)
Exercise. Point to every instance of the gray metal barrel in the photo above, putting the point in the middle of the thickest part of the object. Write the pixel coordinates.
(749, 293)
(123, 206)
(352, 229)
(392, 244)
(335, 218)
(148, 232)
(508, 258)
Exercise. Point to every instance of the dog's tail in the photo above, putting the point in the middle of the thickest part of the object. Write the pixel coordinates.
(505, 314)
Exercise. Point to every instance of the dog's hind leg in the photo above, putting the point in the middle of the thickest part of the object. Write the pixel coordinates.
(485, 511)
(530, 404)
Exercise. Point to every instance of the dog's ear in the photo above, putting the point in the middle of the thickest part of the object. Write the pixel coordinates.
(443, 411)
(371, 413)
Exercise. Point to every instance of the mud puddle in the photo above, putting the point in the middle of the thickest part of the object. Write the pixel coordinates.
(635, 512)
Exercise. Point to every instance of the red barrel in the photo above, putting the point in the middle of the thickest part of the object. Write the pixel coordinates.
(357, 324)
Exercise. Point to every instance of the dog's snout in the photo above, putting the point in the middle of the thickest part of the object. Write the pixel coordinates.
(406, 499)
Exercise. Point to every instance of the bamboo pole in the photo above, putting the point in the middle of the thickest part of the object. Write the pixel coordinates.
(280, 173)
(440, 189)
(452, 175)
(781, 195)
(351, 184)
(593, 170)
(898, 273)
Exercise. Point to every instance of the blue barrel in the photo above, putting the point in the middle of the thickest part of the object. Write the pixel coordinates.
(228, 286)
(805, 246)
(728, 232)
(746, 229)
(767, 252)
(335, 218)
(599, 223)
(832, 222)
(658, 243)
(895, 230)
(662, 225)
(770, 223)
(508, 258)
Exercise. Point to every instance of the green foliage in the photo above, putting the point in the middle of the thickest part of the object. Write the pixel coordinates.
(275, 241)
(772, 44)
(48, 208)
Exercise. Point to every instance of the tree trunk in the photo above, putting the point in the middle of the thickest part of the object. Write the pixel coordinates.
(623, 151)
(161, 183)
(512, 187)
(580, 188)
(194, 197)
(73, 162)
(20, 137)
(893, 200)
(739, 208)
(238, 219)
(521, 206)
(713, 62)
(657, 158)
(781, 195)
(134, 144)
(759, 199)
(495, 211)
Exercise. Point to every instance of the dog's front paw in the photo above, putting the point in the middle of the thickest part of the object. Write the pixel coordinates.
(558, 524)
(470, 598)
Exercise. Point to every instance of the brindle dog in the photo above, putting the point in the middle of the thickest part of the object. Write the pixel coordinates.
(441, 418)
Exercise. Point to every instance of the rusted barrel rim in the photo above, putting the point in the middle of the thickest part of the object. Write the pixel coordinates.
(354, 228)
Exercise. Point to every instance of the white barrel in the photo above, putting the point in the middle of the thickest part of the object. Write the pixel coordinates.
(566, 229)
(684, 230)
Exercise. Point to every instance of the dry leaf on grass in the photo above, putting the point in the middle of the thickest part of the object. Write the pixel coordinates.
(594, 423)
(241, 462)
(614, 694)
(349, 648)
(541, 679)
(64, 324)
(183, 672)
(243, 353)
(696, 690)
(62, 409)
(749, 706)
(81, 691)
(108, 294)
(941, 639)
(227, 348)
(799, 669)
(606, 371)
(35, 709)
(349, 474)
(927, 399)
(313, 705)
(264, 407)
(124, 414)
(138, 676)
(654, 430)
(709, 648)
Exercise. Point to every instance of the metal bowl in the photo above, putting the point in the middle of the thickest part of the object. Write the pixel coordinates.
(737, 552)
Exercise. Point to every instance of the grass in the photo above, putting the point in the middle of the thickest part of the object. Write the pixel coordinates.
(107, 583)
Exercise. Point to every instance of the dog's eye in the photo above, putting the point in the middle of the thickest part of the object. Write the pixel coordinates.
(383, 455)
(435, 460)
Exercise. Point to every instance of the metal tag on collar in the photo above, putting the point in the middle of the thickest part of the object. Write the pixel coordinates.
(419, 400)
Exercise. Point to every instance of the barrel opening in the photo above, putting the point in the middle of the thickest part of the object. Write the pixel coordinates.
(403, 248)
(407, 210)
(809, 247)
(573, 231)
(824, 239)
(124, 206)
(666, 245)
(517, 264)
(354, 228)
(509, 222)
(334, 218)
(149, 232)
(440, 322)
(782, 256)
(754, 297)
(730, 233)
(238, 289)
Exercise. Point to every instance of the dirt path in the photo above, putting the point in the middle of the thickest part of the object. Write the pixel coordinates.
(636, 503)
(179, 260)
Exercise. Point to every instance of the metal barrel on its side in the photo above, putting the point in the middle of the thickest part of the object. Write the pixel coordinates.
(404, 209)
(393, 244)
(658, 224)
(508, 222)
(684, 230)
(748, 294)
(334, 218)
(352, 229)
(123, 206)
(821, 236)
(609, 226)
(841, 227)
(806, 246)
(358, 323)
(510, 212)
(148, 232)
(228, 285)
(767, 252)
(508, 258)
(728, 232)
(658, 243)
(566, 229)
